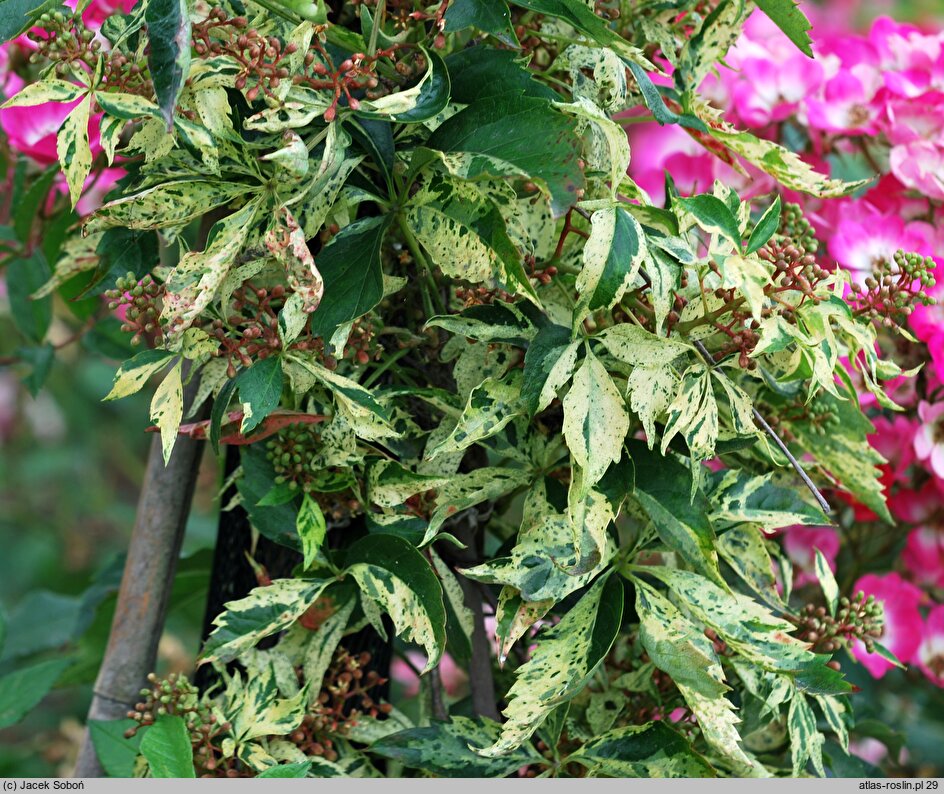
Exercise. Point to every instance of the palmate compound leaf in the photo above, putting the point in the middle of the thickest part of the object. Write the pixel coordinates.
(444, 749)
(514, 136)
(562, 662)
(680, 648)
(650, 750)
(753, 631)
(392, 573)
(265, 611)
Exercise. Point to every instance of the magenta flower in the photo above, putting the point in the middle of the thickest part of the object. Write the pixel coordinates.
(929, 438)
(801, 544)
(768, 91)
(920, 165)
(894, 440)
(32, 130)
(903, 626)
(923, 555)
(847, 104)
(930, 656)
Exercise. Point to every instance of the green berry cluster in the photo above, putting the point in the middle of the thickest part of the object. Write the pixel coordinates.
(290, 453)
(795, 228)
(893, 290)
(142, 299)
(861, 618)
(174, 695)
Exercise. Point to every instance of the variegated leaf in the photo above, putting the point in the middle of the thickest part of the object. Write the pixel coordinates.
(595, 420)
(167, 408)
(265, 611)
(561, 664)
(611, 259)
(72, 147)
(134, 373)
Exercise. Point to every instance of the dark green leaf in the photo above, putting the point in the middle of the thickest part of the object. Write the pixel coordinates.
(22, 689)
(433, 98)
(260, 389)
(787, 16)
(713, 215)
(621, 259)
(24, 277)
(168, 24)
(443, 749)
(353, 278)
(769, 223)
(663, 489)
(116, 753)
(277, 523)
(481, 72)
(489, 16)
(122, 251)
(650, 750)
(652, 97)
(16, 16)
(41, 358)
(27, 209)
(220, 407)
(510, 135)
(543, 353)
(166, 747)
(299, 769)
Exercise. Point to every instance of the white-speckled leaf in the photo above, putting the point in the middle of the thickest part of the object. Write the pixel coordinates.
(167, 408)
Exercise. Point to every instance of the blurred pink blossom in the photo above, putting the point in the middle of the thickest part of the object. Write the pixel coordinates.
(930, 656)
(903, 624)
(801, 544)
(929, 439)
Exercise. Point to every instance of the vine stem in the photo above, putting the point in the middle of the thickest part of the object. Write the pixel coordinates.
(144, 595)
(758, 417)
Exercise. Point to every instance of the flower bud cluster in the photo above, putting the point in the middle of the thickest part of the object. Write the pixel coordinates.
(861, 618)
(140, 300)
(893, 290)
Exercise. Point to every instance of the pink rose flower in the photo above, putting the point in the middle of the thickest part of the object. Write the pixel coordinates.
(801, 544)
(929, 438)
(923, 555)
(32, 130)
(903, 625)
(930, 656)
(847, 102)
(894, 440)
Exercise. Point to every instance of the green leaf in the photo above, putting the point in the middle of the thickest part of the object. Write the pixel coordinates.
(72, 146)
(713, 215)
(17, 16)
(27, 208)
(768, 223)
(663, 490)
(392, 572)
(23, 278)
(650, 750)
(265, 611)
(753, 631)
(220, 406)
(298, 769)
(353, 278)
(491, 406)
(827, 581)
(116, 753)
(639, 348)
(167, 408)
(744, 550)
(43, 91)
(41, 359)
(23, 689)
(611, 259)
(168, 24)
(806, 742)
(490, 16)
(489, 322)
(787, 15)
(423, 101)
(581, 17)
(444, 749)
(709, 45)
(515, 136)
(652, 97)
(782, 164)
(260, 390)
(464, 233)
(166, 747)
(311, 528)
(738, 498)
(562, 662)
(548, 365)
(480, 72)
(595, 420)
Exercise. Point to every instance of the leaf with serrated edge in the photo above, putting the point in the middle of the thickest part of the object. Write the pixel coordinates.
(562, 662)
(167, 408)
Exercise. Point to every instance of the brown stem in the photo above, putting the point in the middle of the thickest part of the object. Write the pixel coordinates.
(163, 507)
